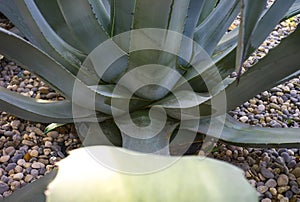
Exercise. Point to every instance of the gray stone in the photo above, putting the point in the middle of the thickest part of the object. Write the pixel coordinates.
(282, 180)
(34, 172)
(262, 189)
(37, 165)
(266, 173)
(51, 95)
(293, 183)
(42, 171)
(292, 164)
(271, 183)
(293, 92)
(252, 182)
(286, 157)
(48, 144)
(275, 124)
(294, 100)
(10, 166)
(268, 194)
(295, 189)
(3, 187)
(4, 179)
(8, 133)
(289, 194)
(16, 157)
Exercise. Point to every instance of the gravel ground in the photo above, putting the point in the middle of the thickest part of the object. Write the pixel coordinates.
(275, 173)
(27, 153)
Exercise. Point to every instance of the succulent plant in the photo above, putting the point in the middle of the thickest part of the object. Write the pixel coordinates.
(149, 75)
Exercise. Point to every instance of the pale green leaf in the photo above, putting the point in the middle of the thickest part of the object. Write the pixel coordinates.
(52, 126)
(98, 182)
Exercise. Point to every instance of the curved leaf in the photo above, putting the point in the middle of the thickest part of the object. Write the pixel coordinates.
(194, 10)
(270, 18)
(101, 182)
(52, 14)
(225, 53)
(104, 133)
(207, 8)
(53, 126)
(82, 22)
(279, 63)
(237, 133)
(209, 33)
(170, 16)
(122, 15)
(294, 10)
(42, 110)
(51, 72)
(249, 21)
(101, 14)
(45, 37)
(11, 11)
(226, 45)
(146, 131)
(265, 74)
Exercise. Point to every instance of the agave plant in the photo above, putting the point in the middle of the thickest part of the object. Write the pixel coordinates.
(102, 55)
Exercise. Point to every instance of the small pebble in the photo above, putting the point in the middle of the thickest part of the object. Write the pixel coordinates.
(244, 119)
(34, 153)
(18, 176)
(28, 143)
(28, 178)
(262, 189)
(282, 180)
(273, 191)
(266, 173)
(283, 189)
(266, 200)
(4, 159)
(3, 187)
(296, 172)
(271, 183)
(48, 144)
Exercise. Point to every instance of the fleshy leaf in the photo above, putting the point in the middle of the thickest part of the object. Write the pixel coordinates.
(241, 134)
(192, 186)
